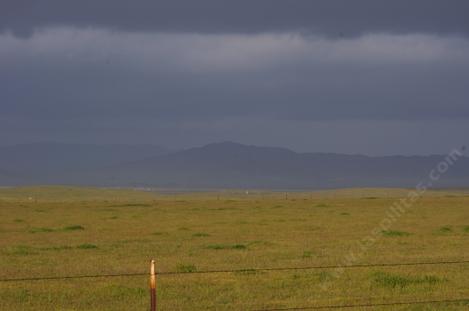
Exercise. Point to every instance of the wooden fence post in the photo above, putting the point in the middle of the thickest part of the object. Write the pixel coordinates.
(152, 286)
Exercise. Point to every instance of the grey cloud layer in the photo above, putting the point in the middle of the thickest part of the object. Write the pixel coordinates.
(327, 17)
(76, 73)
(367, 76)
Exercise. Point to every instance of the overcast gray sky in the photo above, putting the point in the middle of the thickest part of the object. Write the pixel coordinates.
(364, 76)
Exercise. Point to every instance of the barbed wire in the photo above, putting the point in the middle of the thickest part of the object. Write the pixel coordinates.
(314, 267)
(244, 270)
(51, 278)
(369, 305)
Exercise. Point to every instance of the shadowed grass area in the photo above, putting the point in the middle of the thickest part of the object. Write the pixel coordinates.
(46, 229)
(20, 250)
(24, 250)
(73, 228)
(445, 229)
(132, 205)
(42, 229)
(200, 234)
(86, 246)
(394, 233)
(395, 280)
(226, 246)
(57, 248)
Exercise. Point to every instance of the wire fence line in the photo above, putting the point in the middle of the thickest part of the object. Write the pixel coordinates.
(153, 275)
(244, 270)
(54, 278)
(319, 267)
(370, 305)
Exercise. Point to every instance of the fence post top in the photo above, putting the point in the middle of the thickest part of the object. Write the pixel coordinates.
(152, 267)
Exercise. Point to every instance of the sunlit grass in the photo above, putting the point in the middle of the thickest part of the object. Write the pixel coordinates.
(86, 231)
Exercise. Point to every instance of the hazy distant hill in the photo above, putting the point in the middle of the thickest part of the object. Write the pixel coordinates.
(223, 165)
(231, 165)
(54, 162)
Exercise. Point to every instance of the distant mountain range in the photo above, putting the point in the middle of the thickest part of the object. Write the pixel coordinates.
(218, 165)
(44, 163)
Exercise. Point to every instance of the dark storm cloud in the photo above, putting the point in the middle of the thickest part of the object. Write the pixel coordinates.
(77, 73)
(328, 17)
(346, 76)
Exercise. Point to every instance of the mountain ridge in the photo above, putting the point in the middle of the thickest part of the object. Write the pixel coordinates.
(229, 164)
(233, 165)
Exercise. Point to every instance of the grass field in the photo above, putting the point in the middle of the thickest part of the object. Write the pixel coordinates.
(57, 231)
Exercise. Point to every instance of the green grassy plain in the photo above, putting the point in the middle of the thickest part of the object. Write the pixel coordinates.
(59, 231)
